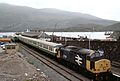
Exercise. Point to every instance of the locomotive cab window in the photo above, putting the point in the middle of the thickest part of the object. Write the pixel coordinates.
(93, 55)
(97, 54)
(101, 53)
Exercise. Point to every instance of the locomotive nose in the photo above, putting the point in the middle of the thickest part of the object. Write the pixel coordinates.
(106, 64)
(103, 65)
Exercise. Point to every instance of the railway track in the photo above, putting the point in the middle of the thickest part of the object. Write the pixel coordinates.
(65, 72)
(116, 70)
(116, 64)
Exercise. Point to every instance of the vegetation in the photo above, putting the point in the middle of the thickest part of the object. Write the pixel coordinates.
(116, 35)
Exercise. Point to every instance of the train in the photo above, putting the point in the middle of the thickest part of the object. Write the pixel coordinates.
(92, 61)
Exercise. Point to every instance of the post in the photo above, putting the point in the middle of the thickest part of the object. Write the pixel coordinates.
(89, 41)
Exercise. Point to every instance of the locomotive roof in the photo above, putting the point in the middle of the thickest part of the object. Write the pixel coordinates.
(86, 51)
(43, 42)
(80, 50)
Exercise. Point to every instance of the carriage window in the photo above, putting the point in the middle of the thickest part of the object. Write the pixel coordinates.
(40, 45)
(45, 46)
(50, 48)
(37, 43)
(34, 43)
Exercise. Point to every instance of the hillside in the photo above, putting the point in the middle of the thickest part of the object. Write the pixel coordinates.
(86, 27)
(114, 27)
(19, 18)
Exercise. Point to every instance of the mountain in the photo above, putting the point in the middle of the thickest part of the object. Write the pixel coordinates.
(114, 27)
(20, 18)
(85, 27)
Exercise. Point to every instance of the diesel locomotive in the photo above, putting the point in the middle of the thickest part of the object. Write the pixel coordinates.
(90, 60)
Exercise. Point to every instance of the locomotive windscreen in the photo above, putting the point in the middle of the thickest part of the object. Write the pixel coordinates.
(97, 54)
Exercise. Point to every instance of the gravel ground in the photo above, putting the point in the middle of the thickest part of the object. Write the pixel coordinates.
(14, 67)
(51, 74)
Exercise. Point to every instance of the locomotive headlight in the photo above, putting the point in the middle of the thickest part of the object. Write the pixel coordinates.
(104, 68)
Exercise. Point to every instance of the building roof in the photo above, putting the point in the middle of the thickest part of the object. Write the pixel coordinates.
(35, 34)
(5, 39)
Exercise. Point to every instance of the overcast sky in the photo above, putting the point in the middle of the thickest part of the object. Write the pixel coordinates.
(106, 9)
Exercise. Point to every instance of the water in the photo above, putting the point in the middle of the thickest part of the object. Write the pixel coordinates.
(91, 35)
(6, 34)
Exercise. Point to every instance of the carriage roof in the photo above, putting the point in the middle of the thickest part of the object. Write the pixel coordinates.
(43, 42)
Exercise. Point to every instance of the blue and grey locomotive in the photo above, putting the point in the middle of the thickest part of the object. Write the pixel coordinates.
(90, 60)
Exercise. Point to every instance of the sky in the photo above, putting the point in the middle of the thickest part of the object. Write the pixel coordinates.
(106, 9)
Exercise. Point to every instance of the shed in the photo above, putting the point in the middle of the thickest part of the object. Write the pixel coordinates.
(10, 48)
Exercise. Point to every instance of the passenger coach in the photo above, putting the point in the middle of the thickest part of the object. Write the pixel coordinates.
(46, 46)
